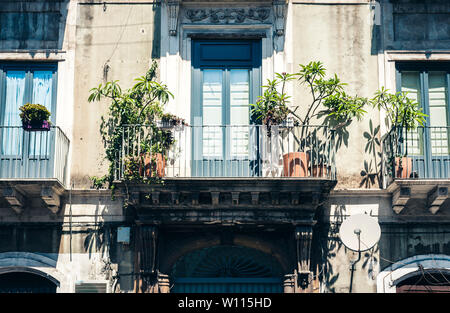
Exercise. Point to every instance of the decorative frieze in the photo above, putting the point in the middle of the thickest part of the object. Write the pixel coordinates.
(228, 15)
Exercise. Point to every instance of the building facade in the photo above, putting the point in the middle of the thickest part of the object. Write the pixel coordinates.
(227, 217)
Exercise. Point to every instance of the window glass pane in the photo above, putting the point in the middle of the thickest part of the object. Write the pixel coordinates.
(438, 112)
(212, 113)
(42, 88)
(15, 97)
(42, 94)
(414, 138)
(239, 111)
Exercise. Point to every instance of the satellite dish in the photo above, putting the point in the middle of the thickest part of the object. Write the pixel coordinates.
(363, 226)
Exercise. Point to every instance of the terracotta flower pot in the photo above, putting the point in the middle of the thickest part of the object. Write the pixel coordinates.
(295, 164)
(404, 169)
(158, 165)
(321, 170)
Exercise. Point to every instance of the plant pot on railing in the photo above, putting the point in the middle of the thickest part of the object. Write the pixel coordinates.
(34, 117)
(153, 165)
(144, 166)
(36, 126)
(403, 167)
(321, 170)
(295, 164)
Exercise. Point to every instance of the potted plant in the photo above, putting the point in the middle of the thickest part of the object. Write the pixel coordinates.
(135, 132)
(403, 115)
(330, 106)
(34, 117)
(168, 120)
(272, 110)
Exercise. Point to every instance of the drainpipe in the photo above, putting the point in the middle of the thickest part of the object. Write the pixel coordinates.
(353, 262)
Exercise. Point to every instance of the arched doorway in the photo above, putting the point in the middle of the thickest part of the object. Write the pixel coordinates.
(227, 269)
(425, 281)
(25, 282)
(419, 273)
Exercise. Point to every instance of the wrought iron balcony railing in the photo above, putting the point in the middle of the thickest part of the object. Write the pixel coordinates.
(422, 153)
(229, 151)
(33, 154)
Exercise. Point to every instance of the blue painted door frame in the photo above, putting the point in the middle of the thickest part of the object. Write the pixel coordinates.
(427, 165)
(224, 58)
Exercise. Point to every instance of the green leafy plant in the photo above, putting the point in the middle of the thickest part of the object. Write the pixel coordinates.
(98, 182)
(272, 107)
(170, 120)
(137, 110)
(34, 113)
(329, 104)
(402, 113)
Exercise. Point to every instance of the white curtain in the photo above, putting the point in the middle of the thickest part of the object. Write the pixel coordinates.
(15, 96)
(42, 94)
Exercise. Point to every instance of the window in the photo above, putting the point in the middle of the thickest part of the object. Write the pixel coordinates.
(21, 83)
(428, 83)
(226, 79)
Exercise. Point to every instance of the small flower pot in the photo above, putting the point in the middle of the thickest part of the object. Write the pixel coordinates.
(295, 164)
(403, 169)
(150, 168)
(36, 126)
(321, 170)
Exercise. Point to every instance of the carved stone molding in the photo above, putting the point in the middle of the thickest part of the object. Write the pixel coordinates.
(147, 237)
(173, 7)
(227, 16)
(303, 236)
(279, 11)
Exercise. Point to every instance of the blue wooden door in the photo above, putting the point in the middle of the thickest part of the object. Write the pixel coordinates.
(226, 79)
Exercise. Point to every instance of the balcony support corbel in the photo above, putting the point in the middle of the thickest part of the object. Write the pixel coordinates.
(275, 197)
(436, 197)
(15, 198)
(155, 197)
(235, 197)
(215, 197)
(255, 198)
(175, 197)
(195, 197)
(399, 198)
(51, 198)
(133, 198)
(295, 198)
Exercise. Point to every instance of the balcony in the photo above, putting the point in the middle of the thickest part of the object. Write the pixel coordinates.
(32, 164)
(416, 164)
(229, 175)
(250, 151)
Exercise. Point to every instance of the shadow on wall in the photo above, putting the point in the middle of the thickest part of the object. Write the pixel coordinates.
(327, 245)
(35, 25)
(371, 173)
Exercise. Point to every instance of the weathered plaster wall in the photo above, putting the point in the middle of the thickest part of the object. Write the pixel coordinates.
(113, 42)
(340, 36)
